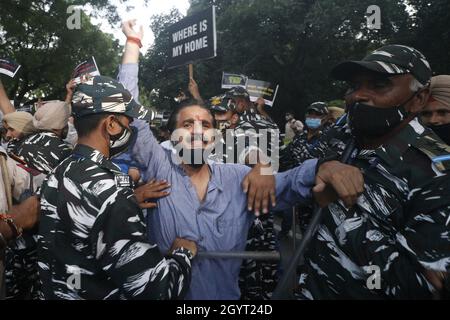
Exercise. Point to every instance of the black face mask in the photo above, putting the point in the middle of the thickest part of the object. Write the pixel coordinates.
(443, 131)
(373, 122)
(120, 142)
(194, 158)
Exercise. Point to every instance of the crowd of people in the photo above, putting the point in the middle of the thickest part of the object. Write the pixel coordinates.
(96, 205)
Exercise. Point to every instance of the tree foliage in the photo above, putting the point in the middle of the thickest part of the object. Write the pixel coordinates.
(35, 34)
(295, 43)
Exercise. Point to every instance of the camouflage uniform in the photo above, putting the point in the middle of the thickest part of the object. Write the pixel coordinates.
(257, 279)
(398, 231)
(92, 227)
(399, 226)
(43, 152)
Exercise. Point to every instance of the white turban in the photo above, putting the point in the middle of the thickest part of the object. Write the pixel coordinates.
(20, 121)
(53, 115)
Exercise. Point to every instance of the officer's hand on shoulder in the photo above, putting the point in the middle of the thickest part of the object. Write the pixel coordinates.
(260, 189)
(186, 244)
(152, 190)
(335, 180)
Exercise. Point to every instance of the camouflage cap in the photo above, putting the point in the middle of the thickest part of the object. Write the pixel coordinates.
(221, 104)
(319, 107)
(237, 92)
(391, 60)
(106, 95)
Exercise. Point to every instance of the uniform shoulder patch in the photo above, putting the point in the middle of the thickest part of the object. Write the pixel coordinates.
(436, 150)
(122, 181)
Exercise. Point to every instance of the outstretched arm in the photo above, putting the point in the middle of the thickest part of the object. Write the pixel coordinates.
(146, 151)
(5, 104)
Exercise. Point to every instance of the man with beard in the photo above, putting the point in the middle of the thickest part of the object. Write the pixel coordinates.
(206, 203)
(436, 114)
(394, 243)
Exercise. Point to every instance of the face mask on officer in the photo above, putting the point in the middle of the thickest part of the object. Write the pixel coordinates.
(373, 121)
(313, 123)
(443, 131)
(120, 142)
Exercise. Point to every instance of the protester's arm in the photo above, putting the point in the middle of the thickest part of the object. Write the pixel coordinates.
(70, 86)
(333, 181)
(146, 151)
(5, 104)
(128, 73)
(193, 89)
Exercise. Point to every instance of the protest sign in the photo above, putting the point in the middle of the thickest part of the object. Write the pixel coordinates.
(231, 80)
(87, 69)
(9, 67)
(193, 39)
(262, 89)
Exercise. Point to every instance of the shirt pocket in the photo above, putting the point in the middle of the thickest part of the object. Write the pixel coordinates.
(230, 233)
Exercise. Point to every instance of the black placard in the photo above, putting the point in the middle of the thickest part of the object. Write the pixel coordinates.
(193, 39)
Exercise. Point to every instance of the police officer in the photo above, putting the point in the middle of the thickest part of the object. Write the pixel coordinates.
(39, 152)
(308, 144)
(92, 237)
(46, 149)
(236, 117)
(393, 243)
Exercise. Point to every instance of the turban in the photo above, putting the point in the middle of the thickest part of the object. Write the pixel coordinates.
(21, 122)
(440, 89)
(53, 115)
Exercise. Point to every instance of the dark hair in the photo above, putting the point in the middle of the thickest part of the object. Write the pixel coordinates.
(172, 122)
(86, 124)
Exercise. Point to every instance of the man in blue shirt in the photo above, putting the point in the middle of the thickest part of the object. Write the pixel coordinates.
(206, 203)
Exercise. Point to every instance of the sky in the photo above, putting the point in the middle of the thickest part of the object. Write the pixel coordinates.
(142, 13)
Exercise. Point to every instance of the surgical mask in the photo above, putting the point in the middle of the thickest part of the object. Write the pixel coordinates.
(120, 142)
(443, 131)
(313, 123)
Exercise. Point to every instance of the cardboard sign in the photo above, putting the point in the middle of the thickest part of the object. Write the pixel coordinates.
(193, 38)
(231, 80)
(86, 69)
(9, 67)
(262, 89)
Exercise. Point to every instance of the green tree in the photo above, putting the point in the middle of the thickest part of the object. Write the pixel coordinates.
(159, 83)
(35, 34)
(432, 27)
(290, 42)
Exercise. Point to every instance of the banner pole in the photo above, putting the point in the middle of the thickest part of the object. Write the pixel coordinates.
(191, 71)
